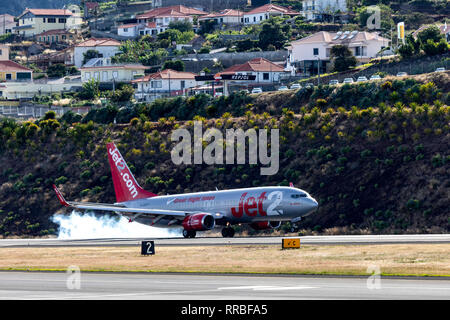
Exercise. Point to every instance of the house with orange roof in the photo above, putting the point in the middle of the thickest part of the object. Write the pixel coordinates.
(265, 71)
(165, 15)
(104, 71)
(225, 17)
(266, 11)
(36, 21)
(10, 70)
(134, 30)
(106, 47)
(165, 83)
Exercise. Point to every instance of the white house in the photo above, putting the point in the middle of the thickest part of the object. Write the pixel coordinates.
(266, 11)
(102, 70)
(264, 70)
(164, 16)
(306, 53)
(139, 29)
(106, 47)
(35, 21)
(317, 9)
(166, 83)
(7, 23)
(226, 17)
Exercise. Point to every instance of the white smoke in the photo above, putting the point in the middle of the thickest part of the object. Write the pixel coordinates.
(90, 226)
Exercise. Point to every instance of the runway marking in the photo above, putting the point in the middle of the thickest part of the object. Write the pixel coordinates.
(263, 288)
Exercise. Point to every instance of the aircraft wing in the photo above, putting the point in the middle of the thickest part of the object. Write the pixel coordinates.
(118, 208)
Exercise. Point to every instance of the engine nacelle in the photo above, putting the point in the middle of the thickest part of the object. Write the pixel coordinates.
(262, 225)
(199, 222)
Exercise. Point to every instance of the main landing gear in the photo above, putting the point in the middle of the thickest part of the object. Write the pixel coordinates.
(228, 232)
(189, 234)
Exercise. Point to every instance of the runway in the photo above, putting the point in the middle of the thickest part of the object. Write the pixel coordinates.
(213, 241)
(53, 286)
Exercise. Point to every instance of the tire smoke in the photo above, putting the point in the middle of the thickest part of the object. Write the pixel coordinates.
(87, 225)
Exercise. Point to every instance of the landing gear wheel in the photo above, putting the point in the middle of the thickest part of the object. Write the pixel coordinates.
(189, 234)
(228, 232)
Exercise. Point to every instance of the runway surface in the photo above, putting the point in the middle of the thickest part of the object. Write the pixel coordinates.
(211, 241)
(53, 285)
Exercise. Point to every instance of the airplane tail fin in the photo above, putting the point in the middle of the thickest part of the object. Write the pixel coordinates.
(125, 185)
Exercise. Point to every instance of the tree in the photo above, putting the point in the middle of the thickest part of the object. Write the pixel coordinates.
(56, 70)
(342, 58)
(274, 33)
(176, 65)
(91, 54)
(431, 33)
(182, 26)
(124, 94)
(90, 90)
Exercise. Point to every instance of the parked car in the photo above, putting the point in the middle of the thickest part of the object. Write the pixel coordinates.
(375, 77)
(361, 79)
(218, 94)
(401, 74)
(309, 85)
(283, 88)
(348, 80)
(333, 82)
(440, 70)
(296, 86)
(257, 90)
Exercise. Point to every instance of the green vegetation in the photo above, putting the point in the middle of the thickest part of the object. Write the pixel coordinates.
(375, 162)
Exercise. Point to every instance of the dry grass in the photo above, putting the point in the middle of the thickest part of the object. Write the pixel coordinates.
(408, 259)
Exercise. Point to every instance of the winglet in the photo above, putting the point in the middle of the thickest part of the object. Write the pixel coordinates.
(60, 197)
(291, 184)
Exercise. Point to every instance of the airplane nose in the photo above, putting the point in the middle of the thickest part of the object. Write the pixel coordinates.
(312, 204)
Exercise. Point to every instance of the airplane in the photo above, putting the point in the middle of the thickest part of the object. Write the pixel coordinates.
(260, 207)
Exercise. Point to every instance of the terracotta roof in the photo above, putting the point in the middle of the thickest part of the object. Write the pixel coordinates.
(274, 9)
(11, 66)
(254, 65)
(166, 74)
(178, 10)
(131, 25)
(48, 12)
(99, 42)
(224, 13)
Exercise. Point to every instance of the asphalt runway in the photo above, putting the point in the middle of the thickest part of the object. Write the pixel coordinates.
(212, 241)
(123, 286)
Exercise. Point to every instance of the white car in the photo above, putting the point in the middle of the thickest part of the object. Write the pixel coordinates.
(333, 82)
(309, 85)
(283, 88)
(401, 74)
(296, 86)
(348, 80)
(361, 79)
(440, 70)
(257, 90)
(375, 77)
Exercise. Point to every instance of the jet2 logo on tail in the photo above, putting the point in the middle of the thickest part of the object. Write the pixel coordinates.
(252, 206)
(120, 165)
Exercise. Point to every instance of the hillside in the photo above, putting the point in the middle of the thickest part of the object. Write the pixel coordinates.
(375, 155)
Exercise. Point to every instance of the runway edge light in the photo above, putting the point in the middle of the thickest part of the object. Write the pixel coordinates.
(290, 243)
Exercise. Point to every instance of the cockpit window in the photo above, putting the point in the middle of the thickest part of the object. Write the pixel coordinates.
(298, 195)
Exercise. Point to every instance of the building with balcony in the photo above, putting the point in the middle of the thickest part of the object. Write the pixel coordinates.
(36, 21)
(307, 53)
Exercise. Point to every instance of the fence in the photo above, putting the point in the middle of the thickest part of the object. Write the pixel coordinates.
(37, 111)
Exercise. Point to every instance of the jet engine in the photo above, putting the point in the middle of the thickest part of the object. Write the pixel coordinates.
(199, 222)
(262, 225)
